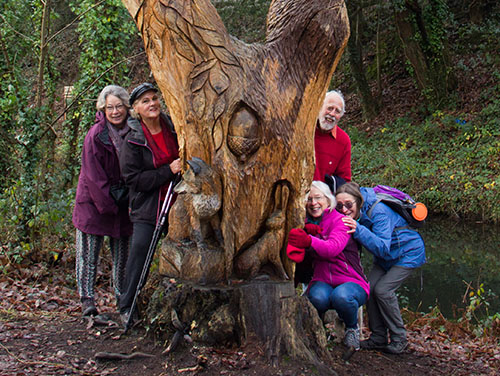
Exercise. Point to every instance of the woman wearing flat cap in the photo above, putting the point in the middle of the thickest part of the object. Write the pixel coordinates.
(149, 161)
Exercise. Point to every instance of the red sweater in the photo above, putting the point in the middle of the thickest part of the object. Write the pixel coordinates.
(333, 154)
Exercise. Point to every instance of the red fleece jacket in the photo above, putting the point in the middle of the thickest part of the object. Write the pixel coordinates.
(333, 154)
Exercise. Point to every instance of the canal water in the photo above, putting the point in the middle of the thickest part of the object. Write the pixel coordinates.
(460, 257)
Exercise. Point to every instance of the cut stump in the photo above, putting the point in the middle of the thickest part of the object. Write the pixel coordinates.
(264, 313)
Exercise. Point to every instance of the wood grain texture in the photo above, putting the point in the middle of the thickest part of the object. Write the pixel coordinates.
(247, 110)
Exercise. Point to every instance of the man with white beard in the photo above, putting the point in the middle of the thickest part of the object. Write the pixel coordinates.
(332, 147)
(331, 144)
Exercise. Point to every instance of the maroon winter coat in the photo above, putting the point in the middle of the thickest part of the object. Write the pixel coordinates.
(95, 210)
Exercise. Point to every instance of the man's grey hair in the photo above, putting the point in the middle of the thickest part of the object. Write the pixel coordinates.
(341, 96)
(325, 189)
(115, 90)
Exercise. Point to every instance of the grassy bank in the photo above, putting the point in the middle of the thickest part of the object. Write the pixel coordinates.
(451, 162)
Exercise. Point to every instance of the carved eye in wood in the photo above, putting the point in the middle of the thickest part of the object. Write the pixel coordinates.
(243, 134)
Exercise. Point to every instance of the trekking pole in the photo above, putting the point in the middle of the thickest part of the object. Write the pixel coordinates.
(152, 247)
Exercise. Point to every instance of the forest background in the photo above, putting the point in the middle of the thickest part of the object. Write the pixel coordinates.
(421, 80)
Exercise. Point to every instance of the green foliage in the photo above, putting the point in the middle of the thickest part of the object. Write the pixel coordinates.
(477, 313)
(445, 162)
(244, 19)
(35, 202)
(16, 64)
(447, 159)
(25, 135)
(105, 34)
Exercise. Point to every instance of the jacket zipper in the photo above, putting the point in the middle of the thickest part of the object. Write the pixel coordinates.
(154, 164)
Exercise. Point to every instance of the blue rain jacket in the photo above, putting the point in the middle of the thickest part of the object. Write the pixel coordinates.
(381, 237)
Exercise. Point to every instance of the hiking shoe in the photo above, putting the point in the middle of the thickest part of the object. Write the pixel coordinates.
(396, 347)
(351, 338)
(370, 344)
(88, 307)
(124, 318)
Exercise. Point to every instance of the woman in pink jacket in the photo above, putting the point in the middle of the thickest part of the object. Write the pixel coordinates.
(338, 280)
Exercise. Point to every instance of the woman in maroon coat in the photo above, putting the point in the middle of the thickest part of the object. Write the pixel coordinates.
(101, 201)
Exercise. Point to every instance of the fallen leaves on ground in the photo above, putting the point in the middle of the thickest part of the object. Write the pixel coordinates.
(42, 333)
(434, 335)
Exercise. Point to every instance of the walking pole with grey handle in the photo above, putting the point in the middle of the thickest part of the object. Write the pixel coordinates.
(160, 223)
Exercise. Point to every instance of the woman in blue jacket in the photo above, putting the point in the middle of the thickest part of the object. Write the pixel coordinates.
(397, 250)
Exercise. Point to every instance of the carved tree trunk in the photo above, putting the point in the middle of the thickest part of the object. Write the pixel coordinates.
(248, 111)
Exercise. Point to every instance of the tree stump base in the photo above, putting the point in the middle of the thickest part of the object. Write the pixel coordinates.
(267, 312)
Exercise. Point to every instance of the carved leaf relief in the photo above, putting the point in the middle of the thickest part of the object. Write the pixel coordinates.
(199, 103)
(198, 81)
(171, 18)
(225, 56)
(218, 79)
(181, 6)
(183, 48)
(202, 67)
(155, 43)
(219, 106)
(218, 135)
(213, 38)
(207, 17)
(183, 26)
(199, 43)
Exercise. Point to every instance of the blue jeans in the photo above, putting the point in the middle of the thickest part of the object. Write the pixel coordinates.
(345, 299)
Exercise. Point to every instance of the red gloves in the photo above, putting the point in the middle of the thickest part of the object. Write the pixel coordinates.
(295, 254)
(298, 241)
(312, 229)
(299, 238)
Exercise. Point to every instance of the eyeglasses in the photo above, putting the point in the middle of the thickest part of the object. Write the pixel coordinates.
(118, 107)
(316, 199)
(347, 204)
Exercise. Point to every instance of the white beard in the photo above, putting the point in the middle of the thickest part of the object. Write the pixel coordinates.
(327, 125)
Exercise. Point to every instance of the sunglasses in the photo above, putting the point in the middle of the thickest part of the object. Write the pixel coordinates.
(347, 204)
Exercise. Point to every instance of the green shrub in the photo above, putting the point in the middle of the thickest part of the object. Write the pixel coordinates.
(445, 162)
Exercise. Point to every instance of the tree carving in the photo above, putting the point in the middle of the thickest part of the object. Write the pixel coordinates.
(248, 111)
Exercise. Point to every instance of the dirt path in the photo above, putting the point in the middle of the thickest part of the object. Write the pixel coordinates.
(67, 345)
(42, 333)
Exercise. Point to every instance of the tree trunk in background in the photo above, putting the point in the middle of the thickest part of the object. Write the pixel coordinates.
(428, 58)
(44, 32)
(72, 156)
(477, 9)
(245, 116)
(355, 49)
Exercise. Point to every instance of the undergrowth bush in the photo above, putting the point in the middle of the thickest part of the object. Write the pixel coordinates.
(445, 162)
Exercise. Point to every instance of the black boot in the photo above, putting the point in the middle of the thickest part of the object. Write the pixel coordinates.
(88, 307)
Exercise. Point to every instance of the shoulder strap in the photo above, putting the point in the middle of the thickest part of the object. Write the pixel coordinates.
(369, 212)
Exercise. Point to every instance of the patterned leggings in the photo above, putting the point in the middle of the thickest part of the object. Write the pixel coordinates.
(88, 247)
